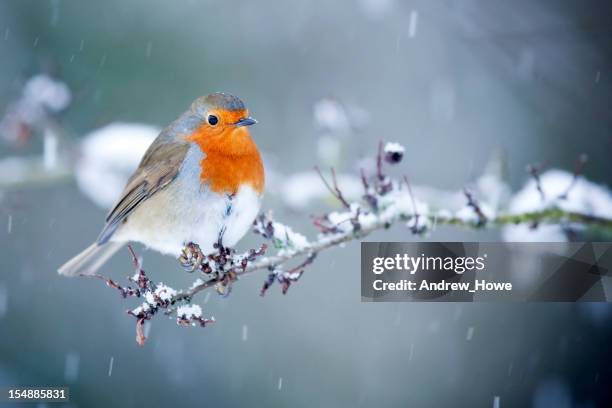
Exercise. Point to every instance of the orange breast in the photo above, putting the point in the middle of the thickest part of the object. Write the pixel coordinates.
(231, 160)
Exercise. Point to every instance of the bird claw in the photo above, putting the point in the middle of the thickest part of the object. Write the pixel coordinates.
(191, 257)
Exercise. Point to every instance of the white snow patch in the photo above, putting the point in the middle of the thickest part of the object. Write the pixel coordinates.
(196, 283)
(341, 220)
(48, 92)
(189, 311)
(468, 214)
(399, 202)
(164, 292)
(290, 238)
(392, 147)
(584, 196)
(145, 306)
(367, 220)
(109, 156)
(150, 298)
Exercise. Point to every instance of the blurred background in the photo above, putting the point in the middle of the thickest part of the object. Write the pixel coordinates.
(459, 83)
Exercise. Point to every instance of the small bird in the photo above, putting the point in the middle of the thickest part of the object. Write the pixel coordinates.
(200, 181)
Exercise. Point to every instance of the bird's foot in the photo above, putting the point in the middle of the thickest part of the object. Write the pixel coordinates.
(191, 257)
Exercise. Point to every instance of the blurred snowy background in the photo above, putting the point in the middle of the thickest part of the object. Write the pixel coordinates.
(465, 86)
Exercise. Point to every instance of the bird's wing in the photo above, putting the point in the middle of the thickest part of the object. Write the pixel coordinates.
(158, 168)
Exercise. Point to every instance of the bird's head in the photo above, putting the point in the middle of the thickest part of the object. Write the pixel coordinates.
(231, 158)
(223, 122)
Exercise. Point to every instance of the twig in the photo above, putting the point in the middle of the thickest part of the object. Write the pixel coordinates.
(364, 179)
(334, 190)
(368, 194)
(135, 260)
(379, 161)
(535, 170)
(482, 218)
(286, 278)
(415, 227)
(580, 162)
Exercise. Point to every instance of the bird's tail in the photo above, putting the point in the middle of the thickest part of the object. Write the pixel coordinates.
(90, 260)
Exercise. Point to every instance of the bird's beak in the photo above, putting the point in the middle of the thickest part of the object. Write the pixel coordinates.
(245, 122)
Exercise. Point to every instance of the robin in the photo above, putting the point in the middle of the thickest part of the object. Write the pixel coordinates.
(201, 181)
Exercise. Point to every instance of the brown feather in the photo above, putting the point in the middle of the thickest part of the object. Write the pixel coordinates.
(159, 166)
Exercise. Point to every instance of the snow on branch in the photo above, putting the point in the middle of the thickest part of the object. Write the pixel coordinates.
(156, 298)
(558, 199)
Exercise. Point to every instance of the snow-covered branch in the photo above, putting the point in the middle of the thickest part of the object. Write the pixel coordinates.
(553, 199)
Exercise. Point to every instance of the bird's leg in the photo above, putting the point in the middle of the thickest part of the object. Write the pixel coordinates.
(223, 256)
(191, 257)
(224, 262)
(219, 245)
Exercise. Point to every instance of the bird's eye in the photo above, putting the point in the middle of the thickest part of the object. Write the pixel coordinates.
(212, 120)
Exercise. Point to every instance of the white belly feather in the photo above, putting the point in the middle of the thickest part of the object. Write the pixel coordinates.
(187, 211)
